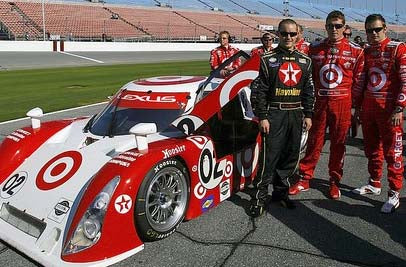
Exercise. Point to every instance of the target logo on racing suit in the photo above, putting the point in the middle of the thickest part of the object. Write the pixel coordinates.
(330, 76)
(210, 171)
(58, 170)
(377, 79)
(290, 73)
(13, 184)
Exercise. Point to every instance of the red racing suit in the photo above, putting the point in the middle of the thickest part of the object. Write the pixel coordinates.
(303, 46)
(260, 50)
(386, 89)
(220, 54)
(337, 70)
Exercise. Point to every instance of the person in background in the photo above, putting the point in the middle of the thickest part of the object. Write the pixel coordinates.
(347, 32)
(381, 105)
(338, 69)
(221, 53)
(267, 41)
(301, 44)
(284, 104)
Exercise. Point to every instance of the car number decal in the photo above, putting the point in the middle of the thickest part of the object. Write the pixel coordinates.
(13, 184)
(58, 170)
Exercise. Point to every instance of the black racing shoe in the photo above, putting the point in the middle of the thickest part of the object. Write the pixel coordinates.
(285, 202)
(256, 210)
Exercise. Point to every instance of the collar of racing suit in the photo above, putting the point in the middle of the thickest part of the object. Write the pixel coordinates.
(382, 43)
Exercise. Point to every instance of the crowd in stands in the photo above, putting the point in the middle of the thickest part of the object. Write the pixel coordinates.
(23, 20)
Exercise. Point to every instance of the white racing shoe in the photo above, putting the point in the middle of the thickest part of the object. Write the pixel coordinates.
(367, 189)
(393, 202)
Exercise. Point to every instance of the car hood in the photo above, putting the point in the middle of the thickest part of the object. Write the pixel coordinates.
(58, 171)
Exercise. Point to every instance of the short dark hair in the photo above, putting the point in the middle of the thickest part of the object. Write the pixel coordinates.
(335, 14)
(286, 21)
(373, 17)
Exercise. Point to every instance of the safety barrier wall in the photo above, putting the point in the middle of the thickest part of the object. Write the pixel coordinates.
(41, 46)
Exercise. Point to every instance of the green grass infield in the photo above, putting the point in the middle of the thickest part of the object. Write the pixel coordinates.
(61, 88)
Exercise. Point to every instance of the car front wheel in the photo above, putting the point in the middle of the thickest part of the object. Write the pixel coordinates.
(162, 200)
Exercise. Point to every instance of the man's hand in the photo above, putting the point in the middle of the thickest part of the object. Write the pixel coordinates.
(357, 115)
(264, 126)
(307, 123)
(397, 118)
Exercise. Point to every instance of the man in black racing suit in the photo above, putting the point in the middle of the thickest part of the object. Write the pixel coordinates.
(283, 99)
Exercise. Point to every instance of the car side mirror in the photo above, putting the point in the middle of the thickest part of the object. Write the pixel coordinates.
(35, 114)
(141, 130)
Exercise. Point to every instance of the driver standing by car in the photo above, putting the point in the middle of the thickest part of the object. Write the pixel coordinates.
(221, 53)
(284, 105)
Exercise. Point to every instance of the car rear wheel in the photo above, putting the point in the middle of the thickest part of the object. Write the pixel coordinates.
(162, 200)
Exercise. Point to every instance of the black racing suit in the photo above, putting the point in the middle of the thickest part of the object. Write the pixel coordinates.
(283, 93)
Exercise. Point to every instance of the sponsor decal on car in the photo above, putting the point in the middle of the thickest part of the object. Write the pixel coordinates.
(225, 191)
(18, 135)
(58, 170)
(207, 203)
(123, 204)
(169, 152)
(199, 191)
(60, 210)
(13, 184)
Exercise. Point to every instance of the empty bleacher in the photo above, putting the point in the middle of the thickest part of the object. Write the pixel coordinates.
(176, 20)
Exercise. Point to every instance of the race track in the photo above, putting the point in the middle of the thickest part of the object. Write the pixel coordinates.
(320, 232)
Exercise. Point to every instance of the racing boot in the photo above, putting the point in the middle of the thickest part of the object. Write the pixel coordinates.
(334, 190)
(373, 187)
(393, 202)
(256, 210)
(301, 186)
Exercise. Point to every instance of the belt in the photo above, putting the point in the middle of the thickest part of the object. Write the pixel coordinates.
(285, 106)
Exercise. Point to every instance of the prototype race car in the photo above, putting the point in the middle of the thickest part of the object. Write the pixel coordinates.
(90, 191)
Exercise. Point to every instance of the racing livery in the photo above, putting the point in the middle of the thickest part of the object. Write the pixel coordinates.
(91, 191)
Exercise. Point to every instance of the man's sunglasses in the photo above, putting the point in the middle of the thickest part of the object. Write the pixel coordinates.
(267, 39)
(285, 34)
(334, 26)
(378, 29)
(347, 34)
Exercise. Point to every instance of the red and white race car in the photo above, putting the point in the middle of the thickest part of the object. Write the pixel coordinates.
(90, 191)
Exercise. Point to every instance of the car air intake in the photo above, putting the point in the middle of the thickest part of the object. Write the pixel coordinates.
(22, 221)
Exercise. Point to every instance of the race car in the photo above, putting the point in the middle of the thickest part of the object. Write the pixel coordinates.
(90, 191)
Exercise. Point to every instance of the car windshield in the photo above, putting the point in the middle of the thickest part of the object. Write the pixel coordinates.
(118, 120)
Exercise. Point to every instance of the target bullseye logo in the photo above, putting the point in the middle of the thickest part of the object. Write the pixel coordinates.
(58, 170)
(377, 79)
(330, 76)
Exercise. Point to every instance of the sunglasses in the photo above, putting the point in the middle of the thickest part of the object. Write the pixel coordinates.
(376, 30)
(347, 34)
(285, 34)
(334, 26)
(267, 40)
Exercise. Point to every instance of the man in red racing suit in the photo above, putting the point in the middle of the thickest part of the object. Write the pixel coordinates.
(382, 103)
(301, 44)
(221, 53)
(267, 41)
(337, 70)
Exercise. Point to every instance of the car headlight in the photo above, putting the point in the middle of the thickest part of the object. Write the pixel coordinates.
(88, 231)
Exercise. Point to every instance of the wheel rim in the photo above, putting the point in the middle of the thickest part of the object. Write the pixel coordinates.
(166, 199)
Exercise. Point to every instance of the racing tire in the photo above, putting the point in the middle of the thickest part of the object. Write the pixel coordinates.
(162, 200)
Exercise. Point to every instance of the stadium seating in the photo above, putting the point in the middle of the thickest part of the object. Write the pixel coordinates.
(162, 20)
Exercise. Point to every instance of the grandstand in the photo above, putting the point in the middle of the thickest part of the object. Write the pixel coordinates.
(169, 20)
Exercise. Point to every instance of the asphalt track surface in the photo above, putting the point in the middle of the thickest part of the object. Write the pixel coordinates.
(319, 232)
(30, 60)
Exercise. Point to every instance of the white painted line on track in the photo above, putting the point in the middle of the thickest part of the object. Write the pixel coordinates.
(55, 112)
(88, 58)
